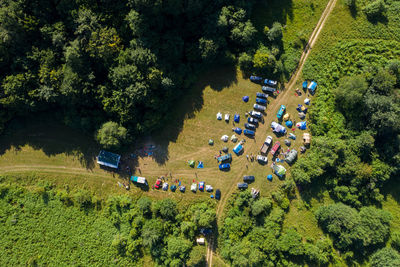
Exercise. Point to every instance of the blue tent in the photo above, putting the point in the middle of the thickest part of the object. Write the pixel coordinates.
(245, 98)
(302, 125)
(312, 86)
(200, 166)
(238, 130)
(305, 83)
(289, 124)
(236, 118)
(269, 177)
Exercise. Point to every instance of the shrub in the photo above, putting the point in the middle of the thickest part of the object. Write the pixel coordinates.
(196, 257)
(386, 257)
(375, 9)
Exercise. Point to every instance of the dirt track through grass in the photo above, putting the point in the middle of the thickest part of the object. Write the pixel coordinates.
(271, 110)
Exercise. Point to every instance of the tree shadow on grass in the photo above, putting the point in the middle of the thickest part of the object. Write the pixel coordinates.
(186, 106)
(44, 132)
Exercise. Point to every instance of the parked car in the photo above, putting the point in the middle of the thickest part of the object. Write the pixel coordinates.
(209, 188)
(249, 132)
(227, 117)
(158, 184)
(261, 101)
(224, 166)
(249, 126)
(252, 120)
(262, 159)
(242, 185)
(238, 149)
(275, 148)
(248, 178)
(173, 188)
(182, 188)
(281, 111)
(262, 95)
(226, 157)
(255, 114)
(255, 78)
(270, 82)
(217, 194)
(268, 90)
(266, 145)
(259, 107)
(201, 186)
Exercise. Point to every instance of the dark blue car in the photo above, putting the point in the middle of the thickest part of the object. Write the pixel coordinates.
(261, 101)
(255, 79)
(249, 132)
(270, 82)
(262, 95)
(249, 126)
(252, 120)
(225, 166)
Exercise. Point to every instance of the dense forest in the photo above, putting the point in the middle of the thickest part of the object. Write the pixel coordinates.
(78, 228)
(125, 62)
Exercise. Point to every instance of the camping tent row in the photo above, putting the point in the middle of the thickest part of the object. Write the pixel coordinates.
(108, 159)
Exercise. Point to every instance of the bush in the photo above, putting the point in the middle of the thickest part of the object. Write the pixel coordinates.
(396, 240)
(111, 135)
(245, 62)
(350, 3)
(386, 257)
(375, 9)
(166, 209)
(276, 32)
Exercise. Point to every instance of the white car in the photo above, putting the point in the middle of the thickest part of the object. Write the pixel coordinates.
(268, 140)
(262, 159)
(209, 188)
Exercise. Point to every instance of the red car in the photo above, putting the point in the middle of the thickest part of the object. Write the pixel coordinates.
(158, 184)
(275, 148)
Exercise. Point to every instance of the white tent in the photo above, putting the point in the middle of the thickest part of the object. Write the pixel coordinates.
(225, 138)
(234, 138)
(226, 117)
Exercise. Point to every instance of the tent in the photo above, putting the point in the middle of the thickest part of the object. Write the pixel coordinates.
(306, 138)
(269, 177)
(200, 165)
(234, 138)
(225, 138)
(108, 159)
(305, 83)
(211, 142)
(279, 170)
(236, 118)
(193, 187)
(219, 116)
(191, 163)
(225, 149)
(276, 127)
(245, 99)
(302, 125)
(286, 116)
(312, 86)
(291, 156)
(301, 108)
(307, 101)
(237, 130)
(289, 124)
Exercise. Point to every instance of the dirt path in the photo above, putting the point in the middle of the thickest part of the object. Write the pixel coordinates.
(272, 109)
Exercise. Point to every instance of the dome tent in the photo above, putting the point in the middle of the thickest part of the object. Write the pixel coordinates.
(289, 124)
(245, 99)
